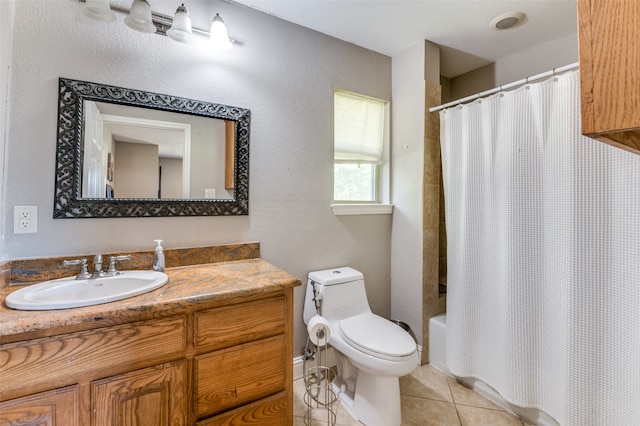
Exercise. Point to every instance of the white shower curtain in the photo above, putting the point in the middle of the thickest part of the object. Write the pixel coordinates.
(543, 237)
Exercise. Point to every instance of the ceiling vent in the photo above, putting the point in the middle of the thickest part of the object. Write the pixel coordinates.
(508, 20)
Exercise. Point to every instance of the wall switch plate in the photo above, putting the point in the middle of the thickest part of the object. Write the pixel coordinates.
(209, 193)
(25, 219)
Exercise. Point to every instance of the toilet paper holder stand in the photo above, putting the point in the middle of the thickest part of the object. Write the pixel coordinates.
(318, 379)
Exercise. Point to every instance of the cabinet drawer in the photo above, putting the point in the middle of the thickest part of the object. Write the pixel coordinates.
(235, 376)
(245, 322)
(270, 411)
(37, 365)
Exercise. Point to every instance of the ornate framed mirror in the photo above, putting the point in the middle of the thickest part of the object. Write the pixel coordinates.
(130, 153)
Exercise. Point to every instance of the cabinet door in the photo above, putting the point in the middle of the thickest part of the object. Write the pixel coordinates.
(151, 396)
(58, 407)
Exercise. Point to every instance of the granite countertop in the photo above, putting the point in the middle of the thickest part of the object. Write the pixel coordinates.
(188, 287)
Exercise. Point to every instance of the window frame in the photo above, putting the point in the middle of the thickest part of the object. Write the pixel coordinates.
(380, 190)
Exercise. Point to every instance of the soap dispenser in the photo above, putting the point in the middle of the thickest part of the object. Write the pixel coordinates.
(158, 257)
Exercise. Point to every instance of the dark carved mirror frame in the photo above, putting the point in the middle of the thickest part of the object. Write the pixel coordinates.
(68, 201)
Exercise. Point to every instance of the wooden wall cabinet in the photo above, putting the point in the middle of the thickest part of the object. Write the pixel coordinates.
(227, 364)
(609, 40)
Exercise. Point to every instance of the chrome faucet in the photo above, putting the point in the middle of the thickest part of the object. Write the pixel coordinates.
(97, 266)
(84, 273)
(112, 264)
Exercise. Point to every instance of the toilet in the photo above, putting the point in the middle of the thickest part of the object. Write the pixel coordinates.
(371, 352)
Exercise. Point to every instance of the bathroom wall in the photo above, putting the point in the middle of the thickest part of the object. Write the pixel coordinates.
(6, 29)
(536, 60)
(284, 73)
(408, 153)
(472, 82)
(529, 62)
(416, 188)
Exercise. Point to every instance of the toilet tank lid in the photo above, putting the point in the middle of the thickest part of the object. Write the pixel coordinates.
(336, 276)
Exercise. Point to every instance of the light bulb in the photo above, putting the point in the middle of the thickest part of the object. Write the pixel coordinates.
(219, 37)
(99, 10)
(139, 17)
(181, 27)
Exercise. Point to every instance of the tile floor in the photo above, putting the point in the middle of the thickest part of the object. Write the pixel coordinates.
(429, 398)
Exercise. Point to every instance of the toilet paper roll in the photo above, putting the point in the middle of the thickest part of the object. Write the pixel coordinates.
(319, 332)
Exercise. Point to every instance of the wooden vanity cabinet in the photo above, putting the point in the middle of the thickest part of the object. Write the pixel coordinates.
(228, 364)
(609, 40)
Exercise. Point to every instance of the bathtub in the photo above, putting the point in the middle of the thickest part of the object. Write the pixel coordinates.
(438, 358)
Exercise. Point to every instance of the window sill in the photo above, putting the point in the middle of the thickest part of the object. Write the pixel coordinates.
(359, 209)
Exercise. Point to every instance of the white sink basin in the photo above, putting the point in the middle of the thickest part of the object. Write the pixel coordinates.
(71, 293)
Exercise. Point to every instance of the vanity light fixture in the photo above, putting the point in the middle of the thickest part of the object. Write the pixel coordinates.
(181, 27)
(219, 37)
(99, 10)
(141, 18)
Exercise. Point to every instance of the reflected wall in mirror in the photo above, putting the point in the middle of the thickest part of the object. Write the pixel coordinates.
(128, 153)
(141, 153)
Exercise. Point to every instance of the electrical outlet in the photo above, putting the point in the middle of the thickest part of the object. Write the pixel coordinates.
(25, 219)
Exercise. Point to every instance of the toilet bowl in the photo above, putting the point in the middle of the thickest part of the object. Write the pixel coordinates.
(371, 352)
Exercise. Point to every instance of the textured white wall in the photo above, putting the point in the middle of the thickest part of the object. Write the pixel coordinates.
(529, 62)
(407, 183)
(536, 60)
(284, 73)
(6, 29)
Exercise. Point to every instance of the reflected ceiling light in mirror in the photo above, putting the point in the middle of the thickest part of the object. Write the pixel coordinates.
(181, 27)
(139, 17)
(99, 10)
(219, 36)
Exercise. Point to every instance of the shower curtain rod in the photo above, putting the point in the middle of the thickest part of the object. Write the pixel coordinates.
(500, 88)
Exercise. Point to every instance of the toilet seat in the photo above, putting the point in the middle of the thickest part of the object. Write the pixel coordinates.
(377, 336)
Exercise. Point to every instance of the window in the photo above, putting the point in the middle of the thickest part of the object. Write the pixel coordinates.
(359, 136)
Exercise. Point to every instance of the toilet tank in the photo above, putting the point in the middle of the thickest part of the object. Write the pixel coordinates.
(342, 293)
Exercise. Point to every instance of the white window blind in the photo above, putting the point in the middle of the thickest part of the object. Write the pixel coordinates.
(358, 128)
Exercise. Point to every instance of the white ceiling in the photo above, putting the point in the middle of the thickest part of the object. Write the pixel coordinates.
(460, 27)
